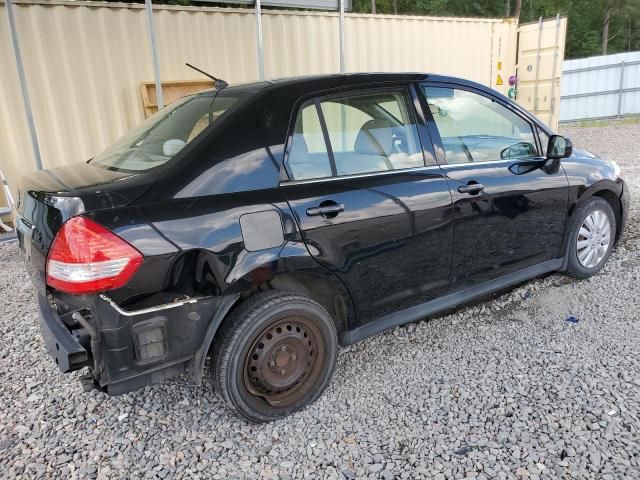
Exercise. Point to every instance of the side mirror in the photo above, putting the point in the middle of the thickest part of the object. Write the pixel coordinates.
(436, 110)
(559, 147)
(518, 150)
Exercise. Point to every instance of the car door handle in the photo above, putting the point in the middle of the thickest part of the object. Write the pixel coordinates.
(471, 188)
(330, 210)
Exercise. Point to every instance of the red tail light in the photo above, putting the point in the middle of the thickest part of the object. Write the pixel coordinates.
(85, 258)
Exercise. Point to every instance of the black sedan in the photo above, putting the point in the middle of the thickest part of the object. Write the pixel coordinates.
(262, 225)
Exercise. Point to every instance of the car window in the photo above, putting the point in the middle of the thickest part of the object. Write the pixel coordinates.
(159, 138)
(544, 141)
(308, 156)
(368, 132)
(475, 128)
(372, 132)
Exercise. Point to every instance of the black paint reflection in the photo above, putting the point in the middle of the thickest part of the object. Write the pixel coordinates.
(516, 221)
(392, 244)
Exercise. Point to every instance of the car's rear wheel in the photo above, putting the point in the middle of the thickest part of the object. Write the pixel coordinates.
(274, 355)
(591, 239)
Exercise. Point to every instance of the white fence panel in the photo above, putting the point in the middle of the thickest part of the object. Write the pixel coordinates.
(600, 87)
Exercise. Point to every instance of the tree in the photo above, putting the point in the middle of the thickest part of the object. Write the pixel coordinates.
(517, 8)
(620, 10)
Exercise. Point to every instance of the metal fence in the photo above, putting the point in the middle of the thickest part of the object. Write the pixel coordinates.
(84, 61)
(600, 87)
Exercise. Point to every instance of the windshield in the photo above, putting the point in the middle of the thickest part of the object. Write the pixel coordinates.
(159, 138)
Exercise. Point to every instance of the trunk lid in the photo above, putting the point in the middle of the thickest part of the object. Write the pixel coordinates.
(48, 198)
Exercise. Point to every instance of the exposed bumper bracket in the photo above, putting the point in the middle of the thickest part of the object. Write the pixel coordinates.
(62, 345)
(143, 311)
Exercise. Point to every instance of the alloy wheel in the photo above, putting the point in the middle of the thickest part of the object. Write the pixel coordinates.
(594, 238)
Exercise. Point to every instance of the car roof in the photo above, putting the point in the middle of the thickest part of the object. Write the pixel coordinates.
(320, 82)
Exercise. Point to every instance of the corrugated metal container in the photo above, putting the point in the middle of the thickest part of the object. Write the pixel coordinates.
(84, 62)
(465, 47)
(541, 50)
(600, 87)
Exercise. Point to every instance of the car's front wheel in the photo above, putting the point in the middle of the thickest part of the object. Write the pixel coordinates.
(274, 355)
(591, 239)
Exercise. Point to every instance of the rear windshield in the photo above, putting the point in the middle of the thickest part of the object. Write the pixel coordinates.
(160, 137)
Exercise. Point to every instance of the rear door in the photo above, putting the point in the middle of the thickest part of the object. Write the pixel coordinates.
(370, 209)
(509, 212)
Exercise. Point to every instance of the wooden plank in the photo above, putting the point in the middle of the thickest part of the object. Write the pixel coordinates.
(171, 91)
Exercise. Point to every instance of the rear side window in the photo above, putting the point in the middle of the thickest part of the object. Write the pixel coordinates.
(474, 128)
(308, 155)
(367, 132)
(159, 138)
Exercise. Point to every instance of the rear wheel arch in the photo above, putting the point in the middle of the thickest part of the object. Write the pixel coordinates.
(293, 274)
(317, 284)
(326, 291)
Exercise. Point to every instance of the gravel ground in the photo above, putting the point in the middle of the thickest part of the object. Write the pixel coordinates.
(502, 389)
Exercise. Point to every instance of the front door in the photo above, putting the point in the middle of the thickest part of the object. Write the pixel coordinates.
(369, 208)
(509, 212)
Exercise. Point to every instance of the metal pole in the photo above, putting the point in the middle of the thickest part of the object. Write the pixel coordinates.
(23, 86)
(154, 52)
(535, 87)
(620, 92)
(553, 75)
(341, 28)
(259, 44)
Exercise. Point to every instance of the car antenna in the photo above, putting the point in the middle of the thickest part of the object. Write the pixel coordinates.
(218, 83)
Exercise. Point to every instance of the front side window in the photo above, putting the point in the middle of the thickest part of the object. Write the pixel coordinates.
(367, 132)
(160, 137)
(544, 141)
(475, 128)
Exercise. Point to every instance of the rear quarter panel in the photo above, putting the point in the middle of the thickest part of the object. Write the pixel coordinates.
(196, 247)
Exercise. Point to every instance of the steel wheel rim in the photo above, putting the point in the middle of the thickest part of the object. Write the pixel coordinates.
(594, 238)
(285, 361)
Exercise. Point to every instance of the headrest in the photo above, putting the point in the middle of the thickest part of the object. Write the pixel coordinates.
(299, 148)
(375, 138)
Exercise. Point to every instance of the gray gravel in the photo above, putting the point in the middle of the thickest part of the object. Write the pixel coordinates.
(502, 389)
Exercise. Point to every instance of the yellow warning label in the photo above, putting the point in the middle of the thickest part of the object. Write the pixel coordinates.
(499, 80)
(499, 65)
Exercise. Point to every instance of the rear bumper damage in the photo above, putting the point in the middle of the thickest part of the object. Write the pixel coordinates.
(67, 347)
(128, 349)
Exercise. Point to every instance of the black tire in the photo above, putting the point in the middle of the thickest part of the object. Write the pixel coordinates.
(267, 334)
(574, 267)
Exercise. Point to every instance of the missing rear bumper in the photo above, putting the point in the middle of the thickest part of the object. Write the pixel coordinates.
(64, 344)
(128, 349)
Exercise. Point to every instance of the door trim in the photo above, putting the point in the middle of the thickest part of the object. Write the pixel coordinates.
(380, 173)
(448, 301)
